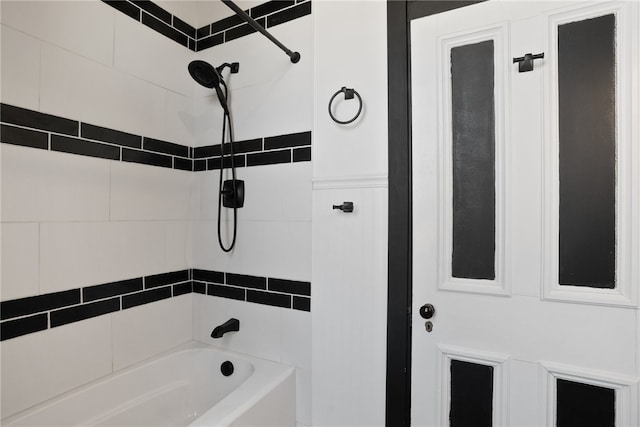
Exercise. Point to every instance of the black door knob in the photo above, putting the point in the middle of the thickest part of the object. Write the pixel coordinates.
(427, 311)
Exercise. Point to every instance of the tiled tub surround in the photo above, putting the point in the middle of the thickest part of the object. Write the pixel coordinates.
(268, 15)
(33, 129)
(28, 128)
(37, 313)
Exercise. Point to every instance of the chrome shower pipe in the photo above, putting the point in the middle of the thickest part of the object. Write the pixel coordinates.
(295, 56)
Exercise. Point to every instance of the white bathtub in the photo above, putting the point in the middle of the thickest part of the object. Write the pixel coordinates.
(182, 387)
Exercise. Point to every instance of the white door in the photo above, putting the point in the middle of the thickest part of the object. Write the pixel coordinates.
(525, 215)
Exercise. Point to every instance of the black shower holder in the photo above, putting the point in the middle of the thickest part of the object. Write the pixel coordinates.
(348, 94)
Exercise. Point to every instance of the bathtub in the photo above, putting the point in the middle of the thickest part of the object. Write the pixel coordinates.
(183, 387)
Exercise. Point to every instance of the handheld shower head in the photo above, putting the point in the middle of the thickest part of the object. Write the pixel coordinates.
(209, 77)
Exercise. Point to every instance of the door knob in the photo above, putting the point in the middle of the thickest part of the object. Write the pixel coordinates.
(427, 311)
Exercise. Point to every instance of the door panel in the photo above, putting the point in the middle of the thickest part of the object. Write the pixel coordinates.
(525, 212)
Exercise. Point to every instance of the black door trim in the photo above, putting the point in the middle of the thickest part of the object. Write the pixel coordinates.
(398, 388)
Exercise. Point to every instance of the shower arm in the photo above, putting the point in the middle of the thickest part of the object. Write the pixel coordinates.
(295, 56)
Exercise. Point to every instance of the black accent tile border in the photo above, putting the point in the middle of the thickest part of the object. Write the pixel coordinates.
(109, 135)
(290, 286)
(203, 32)
(35, 304)
(147, 158)
(184, 27)
(37, 313)
(226, 23)
(165, 29)
(208, 276)
(303, 9)
(301, 303)
(82, 147)
(254, 282)
(182, 288)
(25, 137)
(92, 293)
(154, 10)
(37, 120)
(269, 298)
(261, 290)
(270, 7)
(302, 154)
(199, 287)
(33, 129)
(269, 158)
(24, 326)
(152, 15)
(208, 42)
(238, 161)
(166, 278)
(125, 7)
(84, 311)
(286, 141)
(242, 30)
(156, 294)
(227, 292)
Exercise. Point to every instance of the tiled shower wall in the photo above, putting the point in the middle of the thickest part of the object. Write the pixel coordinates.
(72, 222)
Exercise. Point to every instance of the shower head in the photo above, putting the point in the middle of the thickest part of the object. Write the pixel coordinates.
(209, 77)
(205, 74)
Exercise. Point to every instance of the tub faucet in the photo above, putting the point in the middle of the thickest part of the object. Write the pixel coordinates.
(228, 326)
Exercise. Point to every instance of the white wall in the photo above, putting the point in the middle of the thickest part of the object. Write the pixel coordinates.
(70, 221)
(349, 252)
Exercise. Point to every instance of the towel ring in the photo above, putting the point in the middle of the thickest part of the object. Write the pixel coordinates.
(348, 94)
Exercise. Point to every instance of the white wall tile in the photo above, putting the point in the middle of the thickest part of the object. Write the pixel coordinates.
(177, 245)
(179, 123)
(143, 52)
(79, 88)
(147, 330)
(210, 190)
(83, 27)
(262, 61)
(207, 120)
(270, 95)
(171, 6)
(188, 12)
(142, 192)
(211, 11)
(276, 249)
(20, 256)
(20, 73)
(196, 307)
(39, 366)
(303, 397)
(276, 192)
(260, 331)
(39, 185)
(207, 253)
(80, 254)
(296, 338)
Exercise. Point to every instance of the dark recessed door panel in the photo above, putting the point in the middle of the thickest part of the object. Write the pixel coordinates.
(473, 131)
(587, 143)
(580, 405)
(471, 394)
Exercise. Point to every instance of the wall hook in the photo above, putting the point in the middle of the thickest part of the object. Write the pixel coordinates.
(346, 207)
(525, 63)
(348, 94)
